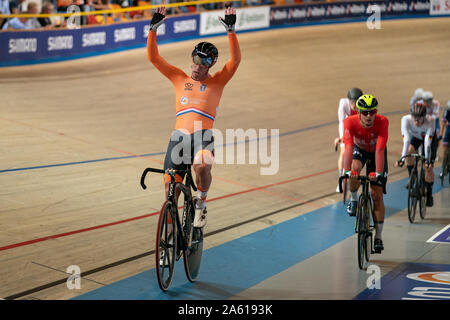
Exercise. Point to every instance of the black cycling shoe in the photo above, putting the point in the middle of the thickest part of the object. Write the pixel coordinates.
(378, 246)
(430, 201)
(351, 208)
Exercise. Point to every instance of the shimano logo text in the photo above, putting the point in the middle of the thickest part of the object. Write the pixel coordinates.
(185, 26)
(124, 34)
(60, 43)
(93, 39)
(22, 45)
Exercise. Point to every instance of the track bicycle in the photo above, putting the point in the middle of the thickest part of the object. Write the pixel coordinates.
(417, 191)
(177, 235)
(363, 226)
(445, 167)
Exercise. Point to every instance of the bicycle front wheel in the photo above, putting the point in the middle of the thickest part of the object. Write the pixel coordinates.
(166, 245)
(362, 232)
(423, 196)
(412, 199)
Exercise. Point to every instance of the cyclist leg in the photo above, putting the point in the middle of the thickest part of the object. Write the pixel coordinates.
(377, 188)
(413, 147)
(357, 165)
(429, 173)
(445, 149)
(202, 163)
(177, 157)
(341, 162)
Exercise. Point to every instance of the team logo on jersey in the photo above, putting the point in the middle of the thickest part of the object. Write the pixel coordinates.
(203, 88)
(437, 277)
(188, 86)
(184, 100)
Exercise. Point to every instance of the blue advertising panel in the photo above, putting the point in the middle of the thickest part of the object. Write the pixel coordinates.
(338, 10)
(27, 47)
(412, 281)
(39, 46)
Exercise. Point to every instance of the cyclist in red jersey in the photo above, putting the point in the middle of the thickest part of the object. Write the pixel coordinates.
(197, 99)
(365, 138)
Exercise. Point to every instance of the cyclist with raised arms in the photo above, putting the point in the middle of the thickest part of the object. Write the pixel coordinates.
(197, 100)
(347, 107)
(365, 138)
(418, 130)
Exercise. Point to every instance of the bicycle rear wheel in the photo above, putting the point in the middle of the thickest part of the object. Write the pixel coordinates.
(412, 200)
(192, 255)
(166, 245)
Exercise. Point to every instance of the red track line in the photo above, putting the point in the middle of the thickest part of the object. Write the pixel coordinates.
(150, 159)
(25, 243)
(272, 185)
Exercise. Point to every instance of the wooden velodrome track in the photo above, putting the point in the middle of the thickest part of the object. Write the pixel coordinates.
(80, 133)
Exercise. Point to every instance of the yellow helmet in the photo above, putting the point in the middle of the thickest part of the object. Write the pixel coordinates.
(367, 102)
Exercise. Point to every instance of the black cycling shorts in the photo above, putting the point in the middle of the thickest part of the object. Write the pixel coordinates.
(416, 143)
(182, 148)
(369, 159)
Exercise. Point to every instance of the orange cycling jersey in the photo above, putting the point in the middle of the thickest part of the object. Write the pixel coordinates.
(195, 100)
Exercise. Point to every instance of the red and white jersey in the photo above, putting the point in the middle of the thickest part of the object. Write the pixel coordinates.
(344, 111)
(373, 139)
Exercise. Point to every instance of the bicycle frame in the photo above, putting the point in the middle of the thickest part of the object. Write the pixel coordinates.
(416, 187)
(172, 197)
(363, 225)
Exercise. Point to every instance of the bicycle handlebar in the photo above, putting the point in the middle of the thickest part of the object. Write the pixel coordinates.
(144, 174)
(363, 179)
(170, 172)
(413, 155)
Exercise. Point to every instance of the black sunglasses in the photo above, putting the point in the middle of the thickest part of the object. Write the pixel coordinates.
(367, 112)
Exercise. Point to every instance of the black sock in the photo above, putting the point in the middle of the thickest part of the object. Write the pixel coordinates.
(429, 186)
(410, 169)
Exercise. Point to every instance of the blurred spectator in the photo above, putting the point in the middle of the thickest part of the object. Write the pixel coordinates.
(47, 8)
(63, 5)
(24, 23)
(17, 6)
(211, 6)
(4, 9)
(185, 9)
(94, 5)
(253, 2)
(235, 4)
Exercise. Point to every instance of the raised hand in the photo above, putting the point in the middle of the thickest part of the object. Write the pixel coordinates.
(158, 18)
(230, 19)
